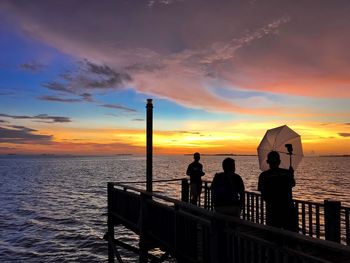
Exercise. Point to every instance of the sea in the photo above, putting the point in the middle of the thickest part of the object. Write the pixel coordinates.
(53, 209)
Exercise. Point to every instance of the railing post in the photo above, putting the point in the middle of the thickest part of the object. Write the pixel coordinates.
(110, 223)
(332, 220)
(143, 221)
(185, 191)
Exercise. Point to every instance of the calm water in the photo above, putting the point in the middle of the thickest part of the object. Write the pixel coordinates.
(53, 209)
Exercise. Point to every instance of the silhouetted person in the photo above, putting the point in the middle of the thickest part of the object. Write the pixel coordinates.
(228, 190)
(276, 186)
(195, 171)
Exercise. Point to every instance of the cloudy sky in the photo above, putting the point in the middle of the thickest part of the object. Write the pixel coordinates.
(75, 75)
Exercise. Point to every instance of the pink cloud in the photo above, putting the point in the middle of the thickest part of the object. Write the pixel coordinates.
(177, 50)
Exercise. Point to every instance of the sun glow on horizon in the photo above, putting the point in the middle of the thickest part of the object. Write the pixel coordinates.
(235, 137)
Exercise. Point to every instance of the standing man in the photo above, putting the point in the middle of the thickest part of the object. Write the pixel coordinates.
(228, 190)
(276, 186)
(195, 171)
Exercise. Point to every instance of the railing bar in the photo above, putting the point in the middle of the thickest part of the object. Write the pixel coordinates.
(205, 195)
(317, 221)
(303, 219)
(257, 209)
(297, 209)
(253, 208)
(310, 220)
(347, 226)
(262, 215)
(248, 207)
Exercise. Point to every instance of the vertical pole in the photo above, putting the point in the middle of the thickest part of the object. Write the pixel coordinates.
(184, 190)
(332, 220)
(143, 242)
(149, 145)
(110, 224)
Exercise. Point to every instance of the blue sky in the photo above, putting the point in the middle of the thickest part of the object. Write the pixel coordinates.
(69, 76)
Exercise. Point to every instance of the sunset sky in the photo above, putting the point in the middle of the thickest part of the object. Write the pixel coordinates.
(75, 75)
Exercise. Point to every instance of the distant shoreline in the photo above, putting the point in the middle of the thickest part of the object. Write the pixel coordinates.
(337, 155)
(141, 155)
(222, 154)
(44, 155)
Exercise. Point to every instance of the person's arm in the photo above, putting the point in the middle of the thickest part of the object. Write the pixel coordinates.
(259, 184)
(212, 188)
(189, 170)
(242, 194)
(292, 180)
(202, 173)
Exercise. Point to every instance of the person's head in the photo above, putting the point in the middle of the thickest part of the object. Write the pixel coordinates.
(273, 159)
(229, 165)
(196, 156)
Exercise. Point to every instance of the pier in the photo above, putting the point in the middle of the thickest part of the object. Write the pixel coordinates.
(197, 234)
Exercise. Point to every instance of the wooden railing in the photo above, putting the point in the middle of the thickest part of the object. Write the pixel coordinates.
(328, 220)
(192, 234)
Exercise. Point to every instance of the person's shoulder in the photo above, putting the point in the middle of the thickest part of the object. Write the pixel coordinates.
(265, 173)
(237, 175)
(191, 164)
(219, 175)
(283, 171)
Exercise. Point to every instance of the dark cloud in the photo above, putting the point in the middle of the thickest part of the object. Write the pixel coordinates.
(57, 86)
(3, 121)
(118, 107)
(190, 132)
(83, 97)
(23, 128)
(40, 117)
(96, 76)
(87, 97)
(32, 66)
(344, 134)
(23, 135)
(58, 99)
(347, 123)
(112, 114)
(144, 67)
(7, 148)
(89, 76)
(138, 119)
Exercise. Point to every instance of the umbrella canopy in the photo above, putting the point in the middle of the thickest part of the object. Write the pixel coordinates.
(276, 140)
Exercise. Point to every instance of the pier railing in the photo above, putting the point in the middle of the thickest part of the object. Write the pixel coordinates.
(328, 220)
(192, 234)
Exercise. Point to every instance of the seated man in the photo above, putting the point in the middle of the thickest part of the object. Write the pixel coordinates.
(228, 190)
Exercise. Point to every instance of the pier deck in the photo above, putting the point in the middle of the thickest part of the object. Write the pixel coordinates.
(197, 234)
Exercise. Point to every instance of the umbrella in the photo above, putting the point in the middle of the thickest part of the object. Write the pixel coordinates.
(286, 142)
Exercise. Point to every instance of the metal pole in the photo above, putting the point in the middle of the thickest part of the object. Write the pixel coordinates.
(110, 222)
(149, 145)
